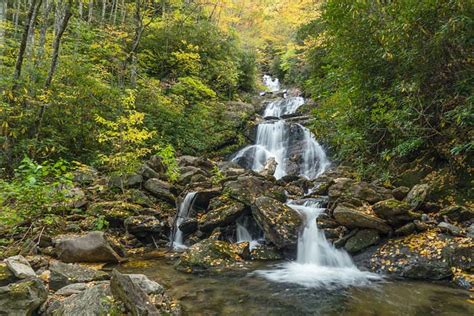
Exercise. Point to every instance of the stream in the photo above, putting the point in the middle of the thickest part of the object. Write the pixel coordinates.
(246, 293)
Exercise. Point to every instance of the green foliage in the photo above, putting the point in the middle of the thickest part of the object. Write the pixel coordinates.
(217, 176)
(391, 78)
(168, 156)
(100, 223)
(37, 190)
(126, 137)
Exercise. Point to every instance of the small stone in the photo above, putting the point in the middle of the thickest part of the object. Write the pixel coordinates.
(449, 228)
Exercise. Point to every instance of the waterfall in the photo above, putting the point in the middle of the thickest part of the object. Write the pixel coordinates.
(244, 235)
(318, 263)
(183, 212)
(284, 141)
(272, 84)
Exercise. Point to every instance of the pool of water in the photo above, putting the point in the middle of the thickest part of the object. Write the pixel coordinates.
(246, 293)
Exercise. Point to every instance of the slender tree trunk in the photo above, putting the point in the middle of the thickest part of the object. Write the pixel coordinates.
(26, 31)
(16, 15)
(91, 11)
(112, 9)
(81, 9)
(104, 7)
(122, 12)
(43, 31)
(54, 62)
(3, 20)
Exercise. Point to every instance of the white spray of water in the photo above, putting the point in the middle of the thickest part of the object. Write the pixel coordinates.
(318, 263)
(243, 235)
(272, 85)
(284, 106)
(184, 209)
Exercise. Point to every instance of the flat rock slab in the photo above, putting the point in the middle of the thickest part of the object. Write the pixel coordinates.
(63, 274)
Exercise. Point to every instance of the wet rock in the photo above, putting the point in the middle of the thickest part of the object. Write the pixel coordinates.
(23, 297)
(189, 173)
(449, 228)
(354, 218)
(20, 267)
(92, 247)
(95, 300)
(269, 168)
(361, 240)
(6, 276)
(189, 226)
(221, 216)
(458, 213)
(160, 189)
(247, 188)
(280, 222)
(395, 212)
(206, 255)
(204, 197)
(242, 249)
(148, 286)
(63, 274)
(325, 221)
(132, 295)
(265, 253)
(417, 195)
(400, 193)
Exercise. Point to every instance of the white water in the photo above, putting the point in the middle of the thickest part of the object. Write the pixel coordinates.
(184, 209)
(274, 138)
(318, 263)
(243, 235)
(273, 85)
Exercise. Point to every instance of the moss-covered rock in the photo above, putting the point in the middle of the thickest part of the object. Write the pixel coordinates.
(279, 222)
(208, 254)
(23, 297)
(361, 240)
(355, 218)
(6, 276)
(221, 216)
(457, 213)
(395, 212)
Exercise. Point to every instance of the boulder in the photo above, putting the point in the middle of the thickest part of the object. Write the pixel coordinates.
(148, 286)
(132, 295)
(149, 173)
(23, 297)
(221, 216)
(361, 240)
(400, 193)
(207, 254)
(354, 218)
(457, 213)
(144, 225)
(84, 175)
(125, 181)
(92, 247)
(395, 212)
(94, 300)
(156, 163)
(279, 222)
(417, 195)
(197, 162)
(188, 225)
(63, 274)
(20, 267)
(269, 168)
(449, 228)
(247, 188)
(345, 188)
(115, 212)
(406, 229)
(160, 189)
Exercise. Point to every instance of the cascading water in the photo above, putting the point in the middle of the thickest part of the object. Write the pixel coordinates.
(244, 235)
(272, 84)
(283, 141)
(318, 263)
(184, 209)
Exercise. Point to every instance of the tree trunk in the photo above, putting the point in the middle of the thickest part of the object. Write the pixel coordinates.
(91, 11)
(104, 6)
(81, 9)
(3, 20)
(26, 31)
(54, 62)
(43, 30)
(16, 15)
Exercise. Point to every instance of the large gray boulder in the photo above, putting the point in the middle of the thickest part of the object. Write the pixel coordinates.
(20, 267)
(349, 189)
(354, 218)
(160, 189)
(92, 247)
(132, 295)
(143, 225)
(63, 274)
(418, 195)
(23, 297)
(361, 240)
(95, 300)
(280, 222)
(395, 212)
(248, 188)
